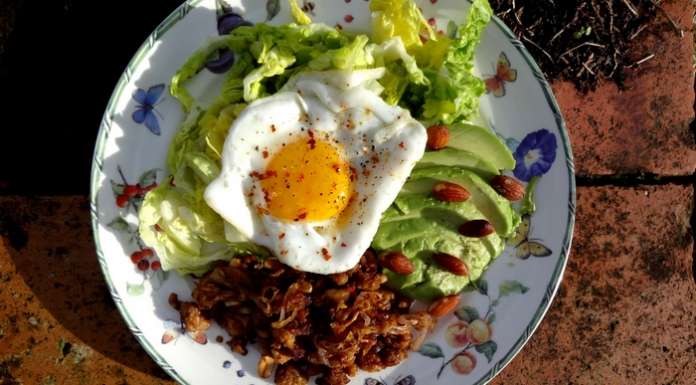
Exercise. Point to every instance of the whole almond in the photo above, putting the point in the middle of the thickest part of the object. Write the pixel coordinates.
(438, 137)
(476, 229)
(451, 263)
(508, 187)
(450, 192)
(443, 306)
(396, 262)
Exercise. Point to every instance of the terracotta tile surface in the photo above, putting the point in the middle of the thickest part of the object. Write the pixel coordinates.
(644, 128)
(58, 323)
(626, 312)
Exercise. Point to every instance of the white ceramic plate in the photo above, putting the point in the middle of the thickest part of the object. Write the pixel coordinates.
(516, 290)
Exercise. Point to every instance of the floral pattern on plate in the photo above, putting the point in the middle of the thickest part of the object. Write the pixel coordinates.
(472, 331)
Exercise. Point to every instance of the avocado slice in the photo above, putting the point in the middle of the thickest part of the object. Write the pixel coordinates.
(482, 142)
(455, 157)
(398, 231)
(436, 225)
(437, 283)
(493, 206)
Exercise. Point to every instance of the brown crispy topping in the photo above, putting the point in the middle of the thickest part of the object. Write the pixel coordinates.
(265, 366)
(310, 324)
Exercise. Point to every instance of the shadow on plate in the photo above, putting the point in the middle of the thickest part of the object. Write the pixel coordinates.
(138, 155)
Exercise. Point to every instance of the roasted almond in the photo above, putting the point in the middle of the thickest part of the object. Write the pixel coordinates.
(476, 229)
(508, 187)
(451, 263)
(438, 137)
(396, 262)
(450, 192)
(443, 306)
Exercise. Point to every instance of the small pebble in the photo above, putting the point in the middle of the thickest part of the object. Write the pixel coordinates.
(226, 364)
(240, 373)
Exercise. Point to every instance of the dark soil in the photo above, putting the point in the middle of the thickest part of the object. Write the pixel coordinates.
(584, 40)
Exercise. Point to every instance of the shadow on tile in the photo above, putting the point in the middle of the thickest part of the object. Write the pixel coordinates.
(49, 241)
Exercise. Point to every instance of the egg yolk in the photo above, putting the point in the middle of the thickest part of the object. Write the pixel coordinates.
(307, 180)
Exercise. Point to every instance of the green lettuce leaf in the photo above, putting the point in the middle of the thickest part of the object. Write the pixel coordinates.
(300, 17)
(190, 68)
(454, 94)
(273, 62)
(186, 234)
(399, 18)
(401, 69)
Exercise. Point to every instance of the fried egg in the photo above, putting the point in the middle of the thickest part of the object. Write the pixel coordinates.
(308, 171)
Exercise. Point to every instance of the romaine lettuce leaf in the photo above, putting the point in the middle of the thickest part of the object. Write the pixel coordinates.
(399, 18)
(455, 91)
(300, 17)
(186, 234)
(401, 67)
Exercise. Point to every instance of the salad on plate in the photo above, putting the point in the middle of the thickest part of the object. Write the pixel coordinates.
(338, 193)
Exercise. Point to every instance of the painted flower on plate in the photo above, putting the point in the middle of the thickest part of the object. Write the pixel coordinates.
(535, 154)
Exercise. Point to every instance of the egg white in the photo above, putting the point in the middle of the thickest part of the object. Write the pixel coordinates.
(326, 102)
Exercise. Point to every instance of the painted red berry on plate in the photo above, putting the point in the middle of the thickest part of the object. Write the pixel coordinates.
(147, 252)
(131, 190)
(155, 265)
(137, 256)
(122, 200)
(143, 265)
(145, 189)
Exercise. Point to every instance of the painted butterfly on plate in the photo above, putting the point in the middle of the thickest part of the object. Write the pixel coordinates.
(503, 73)
(524, 247)
(145, 112)
(408, 380)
